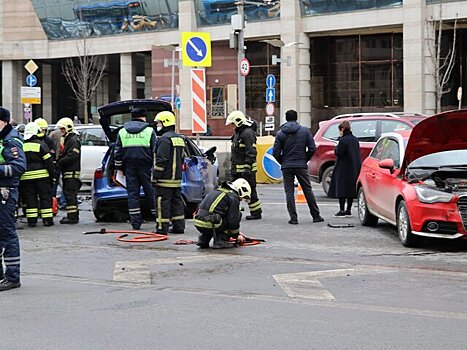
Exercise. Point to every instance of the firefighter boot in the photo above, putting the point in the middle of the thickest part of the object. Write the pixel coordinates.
(70, 219)
(32, 222)
(48, 221)
(221, 241)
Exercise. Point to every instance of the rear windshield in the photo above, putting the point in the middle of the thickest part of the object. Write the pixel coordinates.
(120, 119)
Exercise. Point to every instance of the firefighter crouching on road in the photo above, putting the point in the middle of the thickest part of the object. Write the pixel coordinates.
(167, 175)
(69, 164)
(219, 215)
(42, 135)
(38, 178)
(134, 153)
(243, 157)
(12, 166)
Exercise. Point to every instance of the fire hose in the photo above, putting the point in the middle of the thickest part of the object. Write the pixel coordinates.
(141, 236)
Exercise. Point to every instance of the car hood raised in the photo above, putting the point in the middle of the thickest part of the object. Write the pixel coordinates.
(442, 132)
(122, 107)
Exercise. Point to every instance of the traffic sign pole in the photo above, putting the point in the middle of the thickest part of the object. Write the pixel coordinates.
(241, 56)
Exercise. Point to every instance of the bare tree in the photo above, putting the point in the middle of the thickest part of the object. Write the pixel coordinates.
(442, 64)
(83, 73)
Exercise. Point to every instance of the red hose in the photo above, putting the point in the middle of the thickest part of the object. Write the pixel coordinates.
(142, 236)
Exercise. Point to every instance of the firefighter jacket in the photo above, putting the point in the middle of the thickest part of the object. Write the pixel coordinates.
(226, 204)
(70, 157)
(243, 154)
(39, 161)
(50, 144)
(167, 170)
(12, 157)
(135, 144)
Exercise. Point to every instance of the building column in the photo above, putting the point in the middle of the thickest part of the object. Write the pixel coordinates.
(11, 89)
(295, 79)
(187, 23)
(47, 92)
(418, 95)
(127, 76)
(148, 75)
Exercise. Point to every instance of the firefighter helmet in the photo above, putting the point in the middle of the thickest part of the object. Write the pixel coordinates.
(67, 124)
(237, 118)
(242, 187)
(166, 118)
(42, 123)
(31, 129)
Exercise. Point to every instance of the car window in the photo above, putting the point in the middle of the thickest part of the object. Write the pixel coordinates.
(364, 130)
(93, 137)
(378, 149)
(332, 132)
(191, 149)
(391, 151)
(393, 125)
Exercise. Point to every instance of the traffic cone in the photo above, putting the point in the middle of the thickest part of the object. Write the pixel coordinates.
(300, 196)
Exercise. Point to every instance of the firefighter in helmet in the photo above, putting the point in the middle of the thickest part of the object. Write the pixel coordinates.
(243, 157)
(69, 164)
(42, 135)
(167, 175)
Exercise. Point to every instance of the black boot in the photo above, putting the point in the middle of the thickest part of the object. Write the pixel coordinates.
(253, 217)
(69, 220)
(48, 222)
(32, 222)
(221, 241)
(6, 285)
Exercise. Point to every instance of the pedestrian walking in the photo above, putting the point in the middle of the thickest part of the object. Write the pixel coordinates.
(293, 148)
(134, 154)
(12, 166)
(346, 170)
(243, 158)
(167, 175)
(36, 183)
(219, 215)
(69, 164)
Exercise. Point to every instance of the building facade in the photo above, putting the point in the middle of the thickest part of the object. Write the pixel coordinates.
(335, 56)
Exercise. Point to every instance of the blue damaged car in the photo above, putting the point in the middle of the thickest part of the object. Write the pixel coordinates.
(109, 198)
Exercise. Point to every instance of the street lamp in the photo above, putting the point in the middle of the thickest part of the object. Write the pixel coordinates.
(173, 64)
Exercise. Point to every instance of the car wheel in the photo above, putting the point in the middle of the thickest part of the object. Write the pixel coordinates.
(190, 208)
(326, 179)
(364, 215)
(404, 230)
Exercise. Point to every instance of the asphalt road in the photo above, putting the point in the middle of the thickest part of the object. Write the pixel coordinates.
(308, 287)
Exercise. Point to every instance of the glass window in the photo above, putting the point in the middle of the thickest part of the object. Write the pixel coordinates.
(332, 132)
(314, 7)
(93, 137)
(378, 150)
(393, 125)
(217, 101)
(364, 130)
(391, 151)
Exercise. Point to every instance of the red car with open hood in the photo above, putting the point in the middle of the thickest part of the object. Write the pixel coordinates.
(418, 180)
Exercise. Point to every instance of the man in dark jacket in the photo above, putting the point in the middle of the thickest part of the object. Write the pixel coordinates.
(69, 164)
(38, 179)
(167, 175)
(293, 148)
(12, 166)
(243, 157)
(219, 215)
(134, 153)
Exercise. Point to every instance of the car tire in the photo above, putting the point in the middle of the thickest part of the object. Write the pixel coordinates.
(404, 229)
(366, 218)
(326, 178)
(190, 208)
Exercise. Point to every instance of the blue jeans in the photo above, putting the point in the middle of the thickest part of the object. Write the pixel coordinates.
(9, 243)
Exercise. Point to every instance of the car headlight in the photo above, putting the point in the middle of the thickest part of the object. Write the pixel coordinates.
(429, 195)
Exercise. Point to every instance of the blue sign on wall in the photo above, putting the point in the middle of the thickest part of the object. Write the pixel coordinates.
(31, 80)
(270, 95)
(270, 81)
(270, 165)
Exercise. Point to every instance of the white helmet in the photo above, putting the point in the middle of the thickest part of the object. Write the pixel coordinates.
(237, 118)
(31, 129)
(67, 124)
(242, 187)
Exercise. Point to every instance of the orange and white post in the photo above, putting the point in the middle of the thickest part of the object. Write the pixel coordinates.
(198, 101)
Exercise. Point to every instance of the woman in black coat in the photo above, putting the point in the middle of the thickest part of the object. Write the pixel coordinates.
(346, 170)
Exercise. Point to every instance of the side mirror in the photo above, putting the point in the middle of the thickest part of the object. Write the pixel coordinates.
(209, 154)
(387, 164)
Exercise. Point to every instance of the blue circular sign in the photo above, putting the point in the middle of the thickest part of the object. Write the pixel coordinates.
(270, 165)
(178, 103)
(270, 81)
(196, 49)
(31, 80)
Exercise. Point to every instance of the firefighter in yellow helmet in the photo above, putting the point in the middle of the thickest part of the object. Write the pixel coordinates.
(167, 175)
(42, 135)
(243, 157)
(38, 179)
(69, 164)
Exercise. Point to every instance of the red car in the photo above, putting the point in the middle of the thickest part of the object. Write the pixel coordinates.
(418, 183)
(367, 127)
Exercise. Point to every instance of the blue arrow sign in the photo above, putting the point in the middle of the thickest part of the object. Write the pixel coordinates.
(270, 165)
(196, 49)
(270, 95)
(178, 103)
(270, 81)
(31, 80)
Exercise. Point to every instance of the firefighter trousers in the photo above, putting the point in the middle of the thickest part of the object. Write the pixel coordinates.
(70, 189)
(37, 197)
(169, 208)
(137, 177)
(9, 243)
(255, 204)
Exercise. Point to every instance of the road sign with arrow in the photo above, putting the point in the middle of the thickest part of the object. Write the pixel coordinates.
(270, 95)
(196, 49)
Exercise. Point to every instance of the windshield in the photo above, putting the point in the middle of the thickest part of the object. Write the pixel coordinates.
(453, 158)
